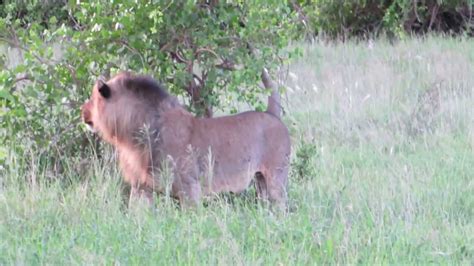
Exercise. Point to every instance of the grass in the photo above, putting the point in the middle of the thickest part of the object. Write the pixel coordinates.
(370, 184)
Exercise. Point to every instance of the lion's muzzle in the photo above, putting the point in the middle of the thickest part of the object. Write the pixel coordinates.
(87, 116)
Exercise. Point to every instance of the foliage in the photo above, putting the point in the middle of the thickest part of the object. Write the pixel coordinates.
(398, 17)
(34, 11)
(304, 165)
(199, 49)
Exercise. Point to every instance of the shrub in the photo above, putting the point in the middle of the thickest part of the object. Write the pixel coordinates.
(199, 49)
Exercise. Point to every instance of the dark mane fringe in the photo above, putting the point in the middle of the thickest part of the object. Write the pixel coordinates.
(146, 86)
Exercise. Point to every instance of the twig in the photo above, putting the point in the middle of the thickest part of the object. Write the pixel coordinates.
(133, 50)
(78, 26)
(201, 83)
(178, 58)
(227, 65)
(302, 16)
(415, 9)
(19, 46)
(434, 14)
(72, 71)
(202, 50)
(25, 77)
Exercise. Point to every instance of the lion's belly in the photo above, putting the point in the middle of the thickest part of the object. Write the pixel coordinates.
(234, 182)
(232, 171)
(229, 176)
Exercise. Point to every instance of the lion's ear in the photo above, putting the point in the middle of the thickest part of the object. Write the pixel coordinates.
(104, 89)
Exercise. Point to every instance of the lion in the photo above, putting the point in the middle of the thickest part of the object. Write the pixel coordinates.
(147, 126)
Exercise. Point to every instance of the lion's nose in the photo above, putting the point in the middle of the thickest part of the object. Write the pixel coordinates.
(86, 115)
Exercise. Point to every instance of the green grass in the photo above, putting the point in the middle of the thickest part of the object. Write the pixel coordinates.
(364, 188)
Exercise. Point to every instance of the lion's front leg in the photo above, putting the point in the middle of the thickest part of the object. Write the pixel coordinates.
(139, 193)
(186, 186)
(188, 193)
(136, 175)
(141, 186)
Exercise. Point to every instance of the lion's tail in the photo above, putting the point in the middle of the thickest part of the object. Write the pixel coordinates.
(274, 102)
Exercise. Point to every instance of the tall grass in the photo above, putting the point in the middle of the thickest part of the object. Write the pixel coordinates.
(371, 182)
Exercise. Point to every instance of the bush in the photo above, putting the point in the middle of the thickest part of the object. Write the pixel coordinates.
(395, 17)
(304, 165)
(199, 49)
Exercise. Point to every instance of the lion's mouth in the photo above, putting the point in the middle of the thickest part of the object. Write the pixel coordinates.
(90, 126)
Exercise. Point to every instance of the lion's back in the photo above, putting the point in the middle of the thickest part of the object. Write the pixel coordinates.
(248, 136)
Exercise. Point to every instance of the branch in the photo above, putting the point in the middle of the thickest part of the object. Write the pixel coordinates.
(300, 12)
(72, 71)
(191, 88)
(19, 79)
(25, 77)
(21, 47)
(166, 45)
(133, 50)
(178, 58)
(434, 14)
(78, 26)
(202, 50)
(227, 65)
(415, 8)
(201, 83)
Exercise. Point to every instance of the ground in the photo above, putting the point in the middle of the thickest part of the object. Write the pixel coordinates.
(382, 172)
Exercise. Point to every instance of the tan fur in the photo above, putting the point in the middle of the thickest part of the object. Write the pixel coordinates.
(147, 126)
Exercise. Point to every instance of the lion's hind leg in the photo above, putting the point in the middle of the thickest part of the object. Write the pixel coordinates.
(272, 186)
(261, 186)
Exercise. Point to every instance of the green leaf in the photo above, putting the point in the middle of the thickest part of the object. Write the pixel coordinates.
(53, 20)
(4, 94)
(20, 68)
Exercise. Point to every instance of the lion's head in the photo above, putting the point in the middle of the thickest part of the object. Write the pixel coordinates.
(122, 105)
